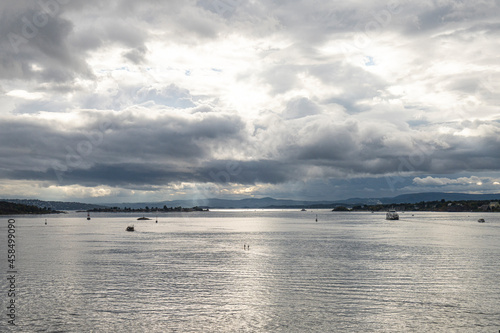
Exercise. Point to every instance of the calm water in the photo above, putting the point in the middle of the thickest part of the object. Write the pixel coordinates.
(348, 272)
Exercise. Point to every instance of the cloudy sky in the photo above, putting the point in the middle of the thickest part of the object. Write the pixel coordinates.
(122, 100)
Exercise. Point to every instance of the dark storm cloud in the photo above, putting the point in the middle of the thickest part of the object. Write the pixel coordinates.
(35, 35)
(171, 150)
(374, 149)
(248, 172)
(475, 153)
(116, 175)
(165, 145)
(126, 174)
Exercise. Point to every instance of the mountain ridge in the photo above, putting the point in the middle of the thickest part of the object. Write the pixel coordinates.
(266, 202)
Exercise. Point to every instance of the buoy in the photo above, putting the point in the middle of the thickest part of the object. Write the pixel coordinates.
(45, 221)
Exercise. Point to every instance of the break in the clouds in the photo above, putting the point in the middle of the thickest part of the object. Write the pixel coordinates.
(149, 100)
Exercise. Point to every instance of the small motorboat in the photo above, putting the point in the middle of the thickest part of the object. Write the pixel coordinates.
(481, 221)
(392, 215)
(130, 228)
(143, 218)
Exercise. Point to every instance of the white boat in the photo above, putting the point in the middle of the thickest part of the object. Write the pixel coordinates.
(392, 215)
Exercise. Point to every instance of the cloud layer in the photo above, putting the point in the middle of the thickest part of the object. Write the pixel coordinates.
(148, 101)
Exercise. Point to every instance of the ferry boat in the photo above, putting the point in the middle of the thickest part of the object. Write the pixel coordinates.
(392, 215)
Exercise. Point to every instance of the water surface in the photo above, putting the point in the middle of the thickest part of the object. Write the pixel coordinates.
(348, 272)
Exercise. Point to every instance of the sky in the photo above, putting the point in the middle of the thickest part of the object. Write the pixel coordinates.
(134, 101)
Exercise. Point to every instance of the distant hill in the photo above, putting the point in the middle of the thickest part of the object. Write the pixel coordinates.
(419, 197)
(10, 208)
(436, 196)
(54, 205)
(281, 203)
(224, 203)
(256, 203)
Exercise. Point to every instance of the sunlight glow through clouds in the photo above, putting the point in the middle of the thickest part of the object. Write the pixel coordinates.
(79, 191)
(23, 94)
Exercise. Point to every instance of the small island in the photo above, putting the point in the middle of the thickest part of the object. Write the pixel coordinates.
(147, 209)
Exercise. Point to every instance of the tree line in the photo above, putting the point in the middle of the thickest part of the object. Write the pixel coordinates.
(10, 208)
(435, 206)
(149, 210)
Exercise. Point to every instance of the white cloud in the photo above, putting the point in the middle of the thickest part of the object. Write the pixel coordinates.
(442, 181)
(25, 94)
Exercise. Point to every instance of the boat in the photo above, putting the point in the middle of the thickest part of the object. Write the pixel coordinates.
(130, 228)
(481, 221)
(392, 215)
(143, 218)
(88, 216)
(303, 210)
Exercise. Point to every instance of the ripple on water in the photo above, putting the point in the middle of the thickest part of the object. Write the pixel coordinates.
(351, 272)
